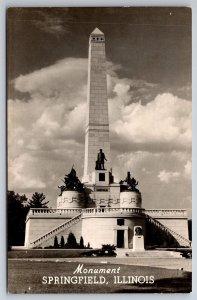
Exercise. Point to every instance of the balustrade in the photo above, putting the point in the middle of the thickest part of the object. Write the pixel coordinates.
(111, 210)
(106, 210)
(167, 212)
(34, 211)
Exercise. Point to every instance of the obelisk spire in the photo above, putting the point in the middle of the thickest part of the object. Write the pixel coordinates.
(97, 126)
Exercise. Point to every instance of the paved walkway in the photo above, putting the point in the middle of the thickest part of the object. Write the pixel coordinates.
(167, 263)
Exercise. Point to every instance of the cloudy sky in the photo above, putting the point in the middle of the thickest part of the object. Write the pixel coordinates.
(149, 90)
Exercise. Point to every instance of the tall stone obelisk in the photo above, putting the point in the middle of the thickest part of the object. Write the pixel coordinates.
(97, 123)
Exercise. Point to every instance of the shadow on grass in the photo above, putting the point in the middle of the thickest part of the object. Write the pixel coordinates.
(46, 253)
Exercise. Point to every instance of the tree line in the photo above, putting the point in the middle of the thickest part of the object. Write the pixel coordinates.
(70, 244)
(17, 209)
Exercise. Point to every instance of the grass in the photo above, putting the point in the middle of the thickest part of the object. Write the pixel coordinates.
(46, 253)
(26, 277)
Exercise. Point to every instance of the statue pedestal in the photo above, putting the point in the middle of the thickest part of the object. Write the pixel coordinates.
(100, 177)
(138, 239)
(97, 177)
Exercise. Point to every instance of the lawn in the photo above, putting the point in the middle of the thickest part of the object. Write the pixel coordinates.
(26, 277)
(46, 253)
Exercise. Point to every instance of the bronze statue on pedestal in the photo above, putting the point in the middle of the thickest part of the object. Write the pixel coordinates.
(100, 163)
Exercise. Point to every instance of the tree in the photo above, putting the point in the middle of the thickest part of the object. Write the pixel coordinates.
(81, 243)
(62, 243)
(16, 218)
(37, 201)
(56, 245)
(71, 241)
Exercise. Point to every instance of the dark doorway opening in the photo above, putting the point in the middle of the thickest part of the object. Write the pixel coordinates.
(120, 238)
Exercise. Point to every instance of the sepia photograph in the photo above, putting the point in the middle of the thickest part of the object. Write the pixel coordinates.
(99, 144)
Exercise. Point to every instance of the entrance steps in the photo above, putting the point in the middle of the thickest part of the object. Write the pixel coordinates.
(147, 253)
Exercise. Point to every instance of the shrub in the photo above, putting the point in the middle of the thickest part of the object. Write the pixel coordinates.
(108, 247)
(81, 243)
(71, 242)
(62, 242)
(56, 245)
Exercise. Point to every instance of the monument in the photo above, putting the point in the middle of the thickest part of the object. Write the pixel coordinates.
(97, 122)
(97, 208)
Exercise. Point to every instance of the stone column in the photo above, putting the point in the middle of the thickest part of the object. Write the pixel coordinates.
(126, 242)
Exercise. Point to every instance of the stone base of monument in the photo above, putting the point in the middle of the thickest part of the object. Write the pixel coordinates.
(138, 239)
(138, 243)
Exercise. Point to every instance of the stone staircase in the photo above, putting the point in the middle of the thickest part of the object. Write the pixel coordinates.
(147, 253)
(57, 230)
(183, 242)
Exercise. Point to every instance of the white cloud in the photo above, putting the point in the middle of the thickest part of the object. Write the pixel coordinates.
(163, 122)
(188, 169)
(46, 132)
(47, 129)
(62, 83)
(24, 173)
(145, 167)
(166, 176)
